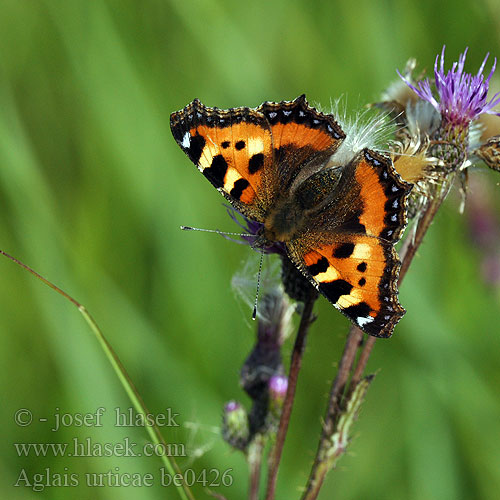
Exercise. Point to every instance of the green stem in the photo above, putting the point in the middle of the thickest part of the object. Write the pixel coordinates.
(123, 376)
(295, 365)
(255, 462)
(320, 467)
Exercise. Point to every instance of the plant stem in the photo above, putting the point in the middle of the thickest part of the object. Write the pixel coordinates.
(296, 361)
(362, 361)
(255, 467)
(353, 342)
(318, 472)
(153, 430)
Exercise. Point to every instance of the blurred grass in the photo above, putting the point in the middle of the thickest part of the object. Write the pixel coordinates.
(93, 190)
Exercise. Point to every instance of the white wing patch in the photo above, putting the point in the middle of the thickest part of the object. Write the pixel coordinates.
(363, 321)
(255, 145)
(362, 251)
(186, 140)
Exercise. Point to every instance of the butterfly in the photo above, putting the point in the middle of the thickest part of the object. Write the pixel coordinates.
(338, 219)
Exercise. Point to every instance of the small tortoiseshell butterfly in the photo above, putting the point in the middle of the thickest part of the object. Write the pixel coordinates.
(339, 223)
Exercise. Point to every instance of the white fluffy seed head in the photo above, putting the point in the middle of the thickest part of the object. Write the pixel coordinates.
(476, 131)
(423, 120)
(365, 129)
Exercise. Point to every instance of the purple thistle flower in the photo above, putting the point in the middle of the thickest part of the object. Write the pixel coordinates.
(461, 97)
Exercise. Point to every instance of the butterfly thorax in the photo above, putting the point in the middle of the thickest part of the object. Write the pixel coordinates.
(284, 222)
(290, 215)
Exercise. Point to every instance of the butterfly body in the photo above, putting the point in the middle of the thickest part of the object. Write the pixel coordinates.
(338, 222)
(285, 222)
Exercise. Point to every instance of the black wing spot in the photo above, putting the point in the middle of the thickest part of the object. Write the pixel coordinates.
(217, 171)
(344, 251)
(353, 225)
(362, 267)
(334, 289)
(362, 282)
(239, 186)
(255, 163)
(196, 146)
(320, 267)
(361, 310)
(239, 145)
(225, 144)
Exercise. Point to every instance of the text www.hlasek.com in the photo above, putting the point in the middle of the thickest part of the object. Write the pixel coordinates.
(88, 448)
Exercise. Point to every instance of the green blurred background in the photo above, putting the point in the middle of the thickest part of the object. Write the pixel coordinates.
(93, 190)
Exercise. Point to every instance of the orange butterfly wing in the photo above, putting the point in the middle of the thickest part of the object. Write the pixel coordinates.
(356, 266)
(232, 148)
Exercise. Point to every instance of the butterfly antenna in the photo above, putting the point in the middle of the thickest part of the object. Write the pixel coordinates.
(254, 313)
(224, 233)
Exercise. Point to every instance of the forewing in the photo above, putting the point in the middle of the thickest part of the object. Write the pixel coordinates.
(303, 139)
(233, 150)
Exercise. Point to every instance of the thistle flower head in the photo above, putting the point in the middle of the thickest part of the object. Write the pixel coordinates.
(461, 97)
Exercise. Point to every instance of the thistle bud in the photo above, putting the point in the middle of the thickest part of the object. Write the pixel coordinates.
(278, 385)
(235, 425)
